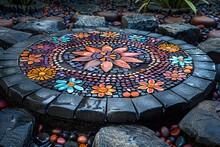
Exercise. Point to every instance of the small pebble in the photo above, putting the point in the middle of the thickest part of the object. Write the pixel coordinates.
(169, 141)
(164, 139)
(56, 131)
(82, 139)
(164, 131)
(135, 94)
(61, 140)
(172, 139)
(126, 94)
(40, 128)
(82, 145)
(71, 144)
(215, 95)
(65, 135)
(3, 105)
(53, 138)
(180, 141)
(157, 133)
(175, 132)
(187, 145)
(90, 141)
(73, 137)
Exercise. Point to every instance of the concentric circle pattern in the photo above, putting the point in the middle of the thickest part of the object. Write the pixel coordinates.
(106, 64)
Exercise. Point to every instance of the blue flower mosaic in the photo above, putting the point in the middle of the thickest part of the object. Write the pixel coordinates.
(137, 38)
(69, 85)
(180, 60)
(62, 39)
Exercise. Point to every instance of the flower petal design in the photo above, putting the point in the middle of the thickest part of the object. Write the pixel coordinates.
(151, 81)
(130, 59)
(142, 87)
(59, 85)
(122, 64)
(150, 90)
(94, 91)
(78, 81)
(92, 49)
(159, 83)
(61, 81)
(107, 48)
(89, 54)
(63, 87)
(72, 80)
(143, 83)
(159, 88)
(82, 59)
(130, 54)
(120, 50)
(92, 63)
(70, 89)
(77, 87)
(106, 66)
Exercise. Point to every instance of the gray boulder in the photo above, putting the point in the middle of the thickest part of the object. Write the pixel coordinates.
(212, 48)
(40, 26)
(127, 136)
(16, 127)
(85, 21)
(9, 37)
(139, 22)
(203, 123)
(182, 31)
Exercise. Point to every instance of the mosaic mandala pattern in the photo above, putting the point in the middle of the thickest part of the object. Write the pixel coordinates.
(106, 64)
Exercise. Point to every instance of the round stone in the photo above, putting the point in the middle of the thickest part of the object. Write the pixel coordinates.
(164, 131)
(174, 19)
(126, 94)
(157, 133)
(57, 131)
(71, 144)
(42, 138)
(53, 138)
(82, 139)
(172, 139)
(214, 34)
(180, 141)
(82, 145)
(73, 137)
(40, 128)
(3, 104)
(65, 135)
(90, 141)
(6, 23)
(54, 18)
(109, 16)
(162, 138)
(175, 132)
(215, 95)
(169, 141)
(61, 140)
(23, 19)
(187, 145)
(204, 20)
(135, 94)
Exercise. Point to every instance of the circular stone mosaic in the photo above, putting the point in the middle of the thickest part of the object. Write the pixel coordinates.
(106, 64)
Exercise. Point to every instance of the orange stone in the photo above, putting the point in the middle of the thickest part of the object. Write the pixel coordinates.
(204, 20)
(82, 145)
(189, 67)
(126, 94)
(82, 139)
(169, 142)
(174, 19)
(71, 84)
(6, 23)
(103, 89)
(175, 75)
(53, 138)
(187, 71)
(135, 94)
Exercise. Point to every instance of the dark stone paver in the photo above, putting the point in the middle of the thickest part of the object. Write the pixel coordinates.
(127, 136)
(8, 37)
(206, 74)
(40, 26)
(205, 65)
(16, 127)
(212, 48)
(84, 21)
(19, 92)
(9, 71)
(191, 94)
(120, 110)
(40, 100)
(171, 101)
(202, 123)
(8, 63)
(148, 107)
(64, 106)
(92, 109)
(187, 32)
(139, 22)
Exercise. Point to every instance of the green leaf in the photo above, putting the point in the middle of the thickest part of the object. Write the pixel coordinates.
(191, 5)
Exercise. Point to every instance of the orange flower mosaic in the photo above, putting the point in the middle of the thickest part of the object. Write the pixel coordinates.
(81, 35)
(41, 73)
(31, 58)
(169, 47)
(151, 85)
(103, 90)
(110, 34)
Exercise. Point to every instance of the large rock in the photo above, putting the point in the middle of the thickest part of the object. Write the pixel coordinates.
(83, 8)
(127, 136)
(183, 31)
(40, 26)
(140, 22)
(203, 123)
(16, 127)
(84, 21)
(212, 48)
(8, 37)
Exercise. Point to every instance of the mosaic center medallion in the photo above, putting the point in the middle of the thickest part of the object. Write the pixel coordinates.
(106, 64)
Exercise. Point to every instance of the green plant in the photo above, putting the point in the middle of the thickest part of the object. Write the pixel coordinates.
(171, 4)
